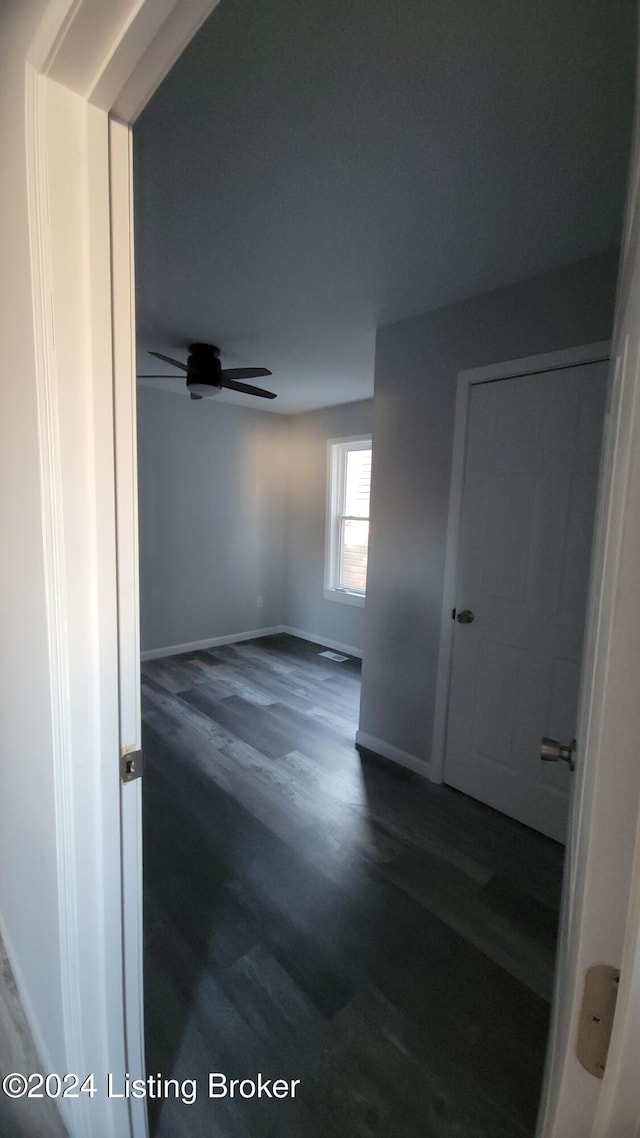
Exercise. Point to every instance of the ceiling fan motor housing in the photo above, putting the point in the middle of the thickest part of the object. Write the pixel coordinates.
(204, 369)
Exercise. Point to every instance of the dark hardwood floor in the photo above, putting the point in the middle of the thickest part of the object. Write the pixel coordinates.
(318, 915)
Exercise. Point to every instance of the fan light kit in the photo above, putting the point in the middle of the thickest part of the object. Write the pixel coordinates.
(206, 377)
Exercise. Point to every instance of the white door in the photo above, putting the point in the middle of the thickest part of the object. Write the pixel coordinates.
(124, 409)
(529, 493)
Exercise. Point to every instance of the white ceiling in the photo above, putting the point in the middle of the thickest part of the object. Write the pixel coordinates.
(312, 169)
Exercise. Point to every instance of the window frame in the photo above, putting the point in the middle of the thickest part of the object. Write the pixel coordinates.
(337, 450)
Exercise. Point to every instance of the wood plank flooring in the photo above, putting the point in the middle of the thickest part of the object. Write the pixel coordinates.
(318, 915)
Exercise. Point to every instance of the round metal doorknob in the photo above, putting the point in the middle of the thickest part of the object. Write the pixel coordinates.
(465, 617)
(553, 751)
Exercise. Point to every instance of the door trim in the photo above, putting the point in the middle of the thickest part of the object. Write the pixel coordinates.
(128, 591)
(511, 369)
(56, 589)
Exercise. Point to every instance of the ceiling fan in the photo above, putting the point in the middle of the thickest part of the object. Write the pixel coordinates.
(206, 377)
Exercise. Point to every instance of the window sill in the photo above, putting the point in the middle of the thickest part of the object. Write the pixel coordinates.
(344, 598)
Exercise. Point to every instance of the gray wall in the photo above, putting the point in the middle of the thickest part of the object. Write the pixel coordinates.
(417, 362)
(306, 607)
(232, 507)
(212, 514)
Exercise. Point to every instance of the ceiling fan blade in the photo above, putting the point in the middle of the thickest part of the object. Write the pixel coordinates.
(189, 368)
(195, 396)
(168, 360)
(246, 388)
(160, 377)
(244, 372)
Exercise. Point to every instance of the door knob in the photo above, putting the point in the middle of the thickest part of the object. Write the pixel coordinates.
(552, 751)
(465, 617)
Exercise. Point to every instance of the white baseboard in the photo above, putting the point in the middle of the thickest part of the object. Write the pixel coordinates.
(253, 634)
(211, 642)
(388, 751)
(337, 645)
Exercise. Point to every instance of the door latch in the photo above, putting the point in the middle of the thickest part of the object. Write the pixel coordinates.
(131, 764)
(552, 751)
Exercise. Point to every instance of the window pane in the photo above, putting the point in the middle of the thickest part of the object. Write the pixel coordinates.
(358, 482)
(353, 560)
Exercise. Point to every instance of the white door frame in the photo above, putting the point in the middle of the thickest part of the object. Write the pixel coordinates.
(511, 369)
(92, 63)
(91, 67)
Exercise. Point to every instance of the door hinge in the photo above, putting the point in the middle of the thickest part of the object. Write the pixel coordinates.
(596, 1017)
(131, 764)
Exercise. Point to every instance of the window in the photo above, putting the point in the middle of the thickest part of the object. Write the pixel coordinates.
(348, 520)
